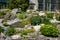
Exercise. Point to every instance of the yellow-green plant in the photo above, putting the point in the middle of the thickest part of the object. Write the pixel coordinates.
(49, 30)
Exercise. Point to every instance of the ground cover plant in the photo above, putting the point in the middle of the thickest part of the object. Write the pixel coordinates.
(1, 29)
(49, 15)
(26, 31)
(49, 30)
(10, 31)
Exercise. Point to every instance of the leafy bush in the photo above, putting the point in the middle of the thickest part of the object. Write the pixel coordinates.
(23, 4)
(45, 20)
(49, 30)
(1, 29)
(2, 14)
(10, 31)
(35, 20)
(49, 15)
(58, 17)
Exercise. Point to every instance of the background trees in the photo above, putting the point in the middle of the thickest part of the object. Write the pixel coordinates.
(23, 4)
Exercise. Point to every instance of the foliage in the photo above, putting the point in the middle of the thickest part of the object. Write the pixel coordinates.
(1, 29)
(30, 30)
(25, 38)
(35, 20)
(10, 31)
(23, 4)
(33, 36)
(3, 12)
(49, 30)
(5, 24)
(18, 24)
(26, 21)
(49, 15)
(25, 31)
(22, 15)
(45, 20)
(58, 17)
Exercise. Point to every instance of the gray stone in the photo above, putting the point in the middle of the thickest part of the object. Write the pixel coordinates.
(35, 2)
(1, 20)
(13, 21)
(8, 38)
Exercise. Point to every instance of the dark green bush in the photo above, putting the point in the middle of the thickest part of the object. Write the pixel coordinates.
(2, 14)
(49, 15)
(45, 20)
(23, 4)
(49, 30)
(35, 20)
(58, 17)
(1, 30)
(10, 31)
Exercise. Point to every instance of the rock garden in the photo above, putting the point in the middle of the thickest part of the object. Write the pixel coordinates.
(29, 25)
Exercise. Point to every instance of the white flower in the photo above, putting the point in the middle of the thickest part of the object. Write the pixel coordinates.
(37, 27)
(42, 13)
(53, 21)
(28, 10)
(1, 20)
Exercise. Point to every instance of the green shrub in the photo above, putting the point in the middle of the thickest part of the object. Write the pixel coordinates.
(2, 14)
(49, 15)
(10, 31)
(45, 20)
(23, 4)
(49, 30)
(58, 17)
(1, 29)
(35, 20)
